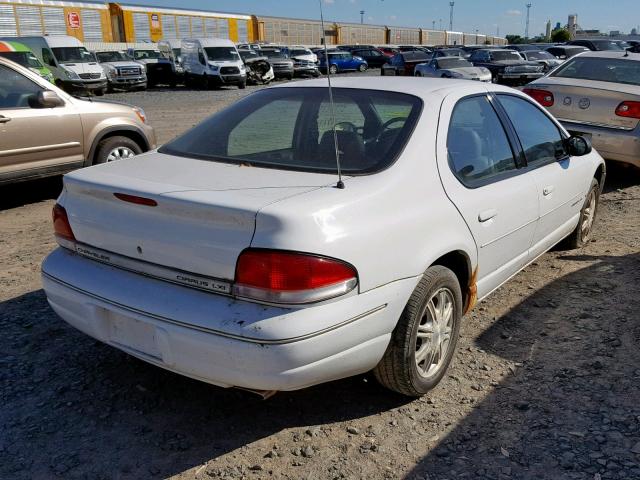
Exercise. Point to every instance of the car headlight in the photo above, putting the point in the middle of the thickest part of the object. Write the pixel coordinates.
(485, 70)
(140, 114)
(213, 68)
(71, 75)
(111, 72)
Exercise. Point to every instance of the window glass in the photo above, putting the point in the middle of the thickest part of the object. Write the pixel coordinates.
(539, 136)
(477, 144)
(601, 69)
(15, 89)
(73, 55)
(291, 128)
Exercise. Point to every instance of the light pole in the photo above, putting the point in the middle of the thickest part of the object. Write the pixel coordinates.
(362, 16)
(526, 30)
(476, 36)
(451, 4)
(433, 25)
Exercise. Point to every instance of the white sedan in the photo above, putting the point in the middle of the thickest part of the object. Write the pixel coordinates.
(233, 255)
(452, 67)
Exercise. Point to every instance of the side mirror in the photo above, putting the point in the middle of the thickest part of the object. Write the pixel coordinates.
(578, 146)
(45, 99)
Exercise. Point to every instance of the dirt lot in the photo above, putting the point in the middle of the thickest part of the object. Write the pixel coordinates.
(546, 383)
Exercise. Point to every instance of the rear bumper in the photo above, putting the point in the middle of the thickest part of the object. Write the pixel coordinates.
(611, 144)
(218, 339)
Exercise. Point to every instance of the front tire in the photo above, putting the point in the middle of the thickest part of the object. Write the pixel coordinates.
(333, 69)
(424, 340)
(584, 230)
(116, 148)
(362, 68)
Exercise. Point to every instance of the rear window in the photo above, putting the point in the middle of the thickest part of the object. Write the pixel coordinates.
(613, 70)
(291, 129)
(505, 55)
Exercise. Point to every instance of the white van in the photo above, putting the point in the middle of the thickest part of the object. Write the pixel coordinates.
(74, 68)
(213, 62)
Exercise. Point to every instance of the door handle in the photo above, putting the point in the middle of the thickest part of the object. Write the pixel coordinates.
(4, 119)
(548, 190)
(487, 215)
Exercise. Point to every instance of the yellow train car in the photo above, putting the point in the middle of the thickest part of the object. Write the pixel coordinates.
(86, 21)
(135, 23)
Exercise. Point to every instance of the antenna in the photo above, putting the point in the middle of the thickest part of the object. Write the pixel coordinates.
(340, 183)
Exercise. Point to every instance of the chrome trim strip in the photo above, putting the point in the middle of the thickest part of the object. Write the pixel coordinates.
(294, 297)
(596, 124)
(41, 148)
(212, 331)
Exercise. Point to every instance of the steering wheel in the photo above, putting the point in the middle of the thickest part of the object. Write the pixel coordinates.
(346, 127)
(385, 126)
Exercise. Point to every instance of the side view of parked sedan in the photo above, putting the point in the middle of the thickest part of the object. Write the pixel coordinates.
(239, 259)
(597, 94)
(341, 61)
(452, 67)
(44, 131)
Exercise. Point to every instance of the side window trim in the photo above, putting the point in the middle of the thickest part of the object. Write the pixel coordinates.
(514, 140)
(517, 138)
(500, 176)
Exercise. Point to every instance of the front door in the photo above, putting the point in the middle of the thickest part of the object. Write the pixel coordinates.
(34, 139)
(481, 177)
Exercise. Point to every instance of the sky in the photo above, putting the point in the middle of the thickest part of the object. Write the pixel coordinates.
(509, 16)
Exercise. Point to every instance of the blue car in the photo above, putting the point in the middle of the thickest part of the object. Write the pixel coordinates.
(341, 61)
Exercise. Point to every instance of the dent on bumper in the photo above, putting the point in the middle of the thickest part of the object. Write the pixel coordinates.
(218, 339)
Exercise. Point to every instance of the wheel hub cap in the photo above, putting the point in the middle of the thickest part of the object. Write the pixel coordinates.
(119, 153)
(434, 333)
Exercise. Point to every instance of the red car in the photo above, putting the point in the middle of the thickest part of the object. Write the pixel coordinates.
(388, 52)
(404, 63)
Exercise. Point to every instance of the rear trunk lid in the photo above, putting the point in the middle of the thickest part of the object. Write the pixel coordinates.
(205, 212)
(591, 102)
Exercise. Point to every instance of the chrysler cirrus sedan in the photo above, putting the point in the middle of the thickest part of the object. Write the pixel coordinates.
(234, 255)
(452, 67)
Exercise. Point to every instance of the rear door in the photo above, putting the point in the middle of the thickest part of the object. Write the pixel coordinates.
(481, 176)
(560, 180)
(34, 138)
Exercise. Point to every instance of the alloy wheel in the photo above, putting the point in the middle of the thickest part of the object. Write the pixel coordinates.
(433, 338)
(120, 153)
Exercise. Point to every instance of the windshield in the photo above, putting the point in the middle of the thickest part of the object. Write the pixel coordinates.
(299, 51)
(221, 53)
(505, 55)
(112, 57)
(453, 52)
(73, 55)
(539, 56)
(291, 129)
(144, 54)
(26, 59)
(453, 63)
(612, 70)
(248, 54)
(274, 53)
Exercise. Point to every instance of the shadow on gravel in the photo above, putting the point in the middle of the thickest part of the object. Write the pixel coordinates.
(620, 176)
(22, 193)
(75, 408)
(571, 409)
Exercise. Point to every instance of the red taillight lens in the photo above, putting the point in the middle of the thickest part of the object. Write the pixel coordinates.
(290, 277)
(61, 225)
(543, 97)
(149, 202)
(629, 110)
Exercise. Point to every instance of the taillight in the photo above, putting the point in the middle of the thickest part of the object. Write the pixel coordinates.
(543, 97)
(629, 110)
(61, 226)
(278, 276)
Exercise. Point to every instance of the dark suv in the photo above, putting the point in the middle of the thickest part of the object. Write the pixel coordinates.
(507, 66)
(374, 57)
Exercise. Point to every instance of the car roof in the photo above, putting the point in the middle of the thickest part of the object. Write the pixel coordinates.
(623, 54)
(451, 57)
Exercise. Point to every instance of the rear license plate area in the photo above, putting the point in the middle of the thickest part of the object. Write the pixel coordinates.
(132, 334)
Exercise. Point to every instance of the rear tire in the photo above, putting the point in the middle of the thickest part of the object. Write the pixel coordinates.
(429, 328)
(242, 85)
(584, 230)
(115, 148)
(333, 69)
(100, 92)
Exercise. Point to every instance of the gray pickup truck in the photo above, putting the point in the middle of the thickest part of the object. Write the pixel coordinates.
(122, 72)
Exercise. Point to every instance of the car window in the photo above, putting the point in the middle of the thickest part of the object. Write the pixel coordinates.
(291, 129)
(15, 89)
(477, 145)
(540, 137)
(613, 70)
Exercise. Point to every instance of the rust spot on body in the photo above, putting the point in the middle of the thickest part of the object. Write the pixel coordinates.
(472, 292)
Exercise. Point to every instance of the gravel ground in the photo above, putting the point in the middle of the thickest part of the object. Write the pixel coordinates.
(545, 385)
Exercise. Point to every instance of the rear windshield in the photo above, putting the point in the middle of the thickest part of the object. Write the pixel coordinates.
(505, 55)
(539, 56)
(614, 70)
(606, 45)
(291, 129)
(26, 59)
(221, 53)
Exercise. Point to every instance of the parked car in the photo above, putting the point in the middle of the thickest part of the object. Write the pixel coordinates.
(238, 259)
(340, 61)
(122, 72)
(45, 131)
(259, 70)
(212, 62)
(374, 57)
(389, 52)
(507, 66)
(449, 52)
(596, 44)
(548, 61)
(74, 68)
(597, 94)
(172, 51)
(452, 67)
(283, 66)
(404, 63)
(20, 53)
(301, 53)
(563, 52)
(160, 70)
(524, 47)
